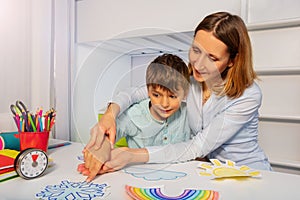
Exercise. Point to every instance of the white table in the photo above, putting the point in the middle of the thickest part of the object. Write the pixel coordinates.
(272, 185)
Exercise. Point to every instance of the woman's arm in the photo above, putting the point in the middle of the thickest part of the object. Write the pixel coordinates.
(120, 157)
(126, 98)
(233, 116)
(107, 124)
(107, 127)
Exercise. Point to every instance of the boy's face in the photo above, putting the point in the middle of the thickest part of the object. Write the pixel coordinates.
(163, 102)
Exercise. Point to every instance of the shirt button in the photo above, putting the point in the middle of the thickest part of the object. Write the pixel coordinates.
(165, 138)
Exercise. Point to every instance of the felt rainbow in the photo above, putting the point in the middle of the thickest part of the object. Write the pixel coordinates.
(156, 194)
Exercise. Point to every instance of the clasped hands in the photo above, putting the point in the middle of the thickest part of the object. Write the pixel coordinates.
(102, 160)
(99, 155)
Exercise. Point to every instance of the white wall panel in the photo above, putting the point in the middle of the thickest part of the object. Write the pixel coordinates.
(276, 48)
(102, 20)
(277, 59)
(274, 30)
(272, 10)
(98, 75)
(281, 96)
(281, 142)
(139, 66)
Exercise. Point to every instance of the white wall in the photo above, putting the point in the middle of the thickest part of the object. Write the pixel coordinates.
(36, 47)
(62, 62)
(274, 28)
(25, 56)
(104, 20)
(98, 75)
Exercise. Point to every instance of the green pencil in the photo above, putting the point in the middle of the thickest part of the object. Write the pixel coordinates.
(30, 119)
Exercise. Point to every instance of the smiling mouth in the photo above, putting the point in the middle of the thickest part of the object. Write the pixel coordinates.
(165, 111)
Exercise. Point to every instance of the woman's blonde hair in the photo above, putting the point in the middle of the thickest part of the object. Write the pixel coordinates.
(232, 31)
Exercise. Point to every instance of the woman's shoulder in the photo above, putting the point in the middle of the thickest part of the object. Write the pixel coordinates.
(252, 93)
(253, 90)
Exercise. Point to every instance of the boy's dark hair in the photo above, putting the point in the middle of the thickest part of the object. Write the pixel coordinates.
(169, 72)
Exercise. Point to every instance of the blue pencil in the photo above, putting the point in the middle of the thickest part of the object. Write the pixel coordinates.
(59, 145)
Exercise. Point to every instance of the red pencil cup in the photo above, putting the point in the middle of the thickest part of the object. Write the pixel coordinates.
(37, 140)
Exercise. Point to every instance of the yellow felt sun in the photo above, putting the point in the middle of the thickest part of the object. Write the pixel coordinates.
(229, 169)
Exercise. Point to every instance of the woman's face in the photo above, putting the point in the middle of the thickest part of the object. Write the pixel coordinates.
(208, 56)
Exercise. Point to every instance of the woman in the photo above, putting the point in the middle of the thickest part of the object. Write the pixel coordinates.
(222, 104)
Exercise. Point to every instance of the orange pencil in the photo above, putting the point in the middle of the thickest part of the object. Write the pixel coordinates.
(45, 121)
(52, 123)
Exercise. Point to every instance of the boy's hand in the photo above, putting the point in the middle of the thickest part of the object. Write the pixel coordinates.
(94, 159)
(82, 170)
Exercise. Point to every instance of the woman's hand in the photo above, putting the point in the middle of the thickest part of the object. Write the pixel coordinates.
(105, 127)
(120, 157)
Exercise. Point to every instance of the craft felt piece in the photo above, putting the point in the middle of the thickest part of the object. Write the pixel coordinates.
(157, 193)
(9, 140)
(217, 169)
(7, 158)
(74, 190)
(154, 174)
(8, 176)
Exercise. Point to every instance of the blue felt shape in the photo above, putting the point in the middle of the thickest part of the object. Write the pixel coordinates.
(80, 158)
(154, 174)
(73, 190)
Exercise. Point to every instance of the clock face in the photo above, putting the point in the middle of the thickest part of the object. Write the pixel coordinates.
(31, 163)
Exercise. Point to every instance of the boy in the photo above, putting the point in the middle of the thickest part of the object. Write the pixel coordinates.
(161, 119)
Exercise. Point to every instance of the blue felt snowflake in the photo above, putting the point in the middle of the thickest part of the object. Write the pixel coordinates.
(73, 190)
